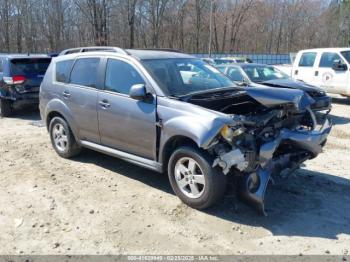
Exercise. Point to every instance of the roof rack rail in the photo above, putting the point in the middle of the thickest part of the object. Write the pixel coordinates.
(160, 49)
(93, 49)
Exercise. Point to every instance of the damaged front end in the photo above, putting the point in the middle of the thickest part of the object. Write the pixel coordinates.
(273, 137)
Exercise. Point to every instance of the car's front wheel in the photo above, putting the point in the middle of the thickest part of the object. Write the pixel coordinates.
(5, 108)
(193, 178)
(62, 138)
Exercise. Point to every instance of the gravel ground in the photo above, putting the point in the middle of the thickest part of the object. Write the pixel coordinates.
(96, 204)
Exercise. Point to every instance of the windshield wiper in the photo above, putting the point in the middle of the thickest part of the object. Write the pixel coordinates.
(214, 90)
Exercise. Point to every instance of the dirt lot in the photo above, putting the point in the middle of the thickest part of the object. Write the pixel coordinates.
(96, 204)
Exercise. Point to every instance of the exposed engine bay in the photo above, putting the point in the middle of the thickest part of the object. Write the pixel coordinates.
(269, 135)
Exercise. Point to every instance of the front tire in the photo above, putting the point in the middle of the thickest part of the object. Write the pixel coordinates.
(193, 178)
(5, 108)
(62, 138)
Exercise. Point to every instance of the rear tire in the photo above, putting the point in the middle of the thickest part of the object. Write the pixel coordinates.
(5, 108)
(193, 178)
(62, 138)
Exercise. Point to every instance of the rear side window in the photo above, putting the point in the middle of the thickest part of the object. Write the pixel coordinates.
(327, 59)
(29, 67)
(121, 76)
(84, 72)
(63, 70)
(307, 59)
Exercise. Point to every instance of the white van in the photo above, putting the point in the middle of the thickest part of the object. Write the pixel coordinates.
(327, 68)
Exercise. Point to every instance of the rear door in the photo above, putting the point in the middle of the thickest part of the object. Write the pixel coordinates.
(330, 80)
(126, 124)
(80, 95)
(33, 71)
(305, 68)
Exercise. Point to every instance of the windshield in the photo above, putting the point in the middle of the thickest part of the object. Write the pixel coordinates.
(346, 54)
(29, 66)
(263, 73)
(178, 77)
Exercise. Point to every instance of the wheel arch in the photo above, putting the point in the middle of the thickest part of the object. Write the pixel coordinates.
(57, 108)
(171, 145)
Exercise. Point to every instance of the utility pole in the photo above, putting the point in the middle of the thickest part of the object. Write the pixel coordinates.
(210, 26)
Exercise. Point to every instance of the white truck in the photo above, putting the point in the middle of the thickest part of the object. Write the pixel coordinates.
(327, 68)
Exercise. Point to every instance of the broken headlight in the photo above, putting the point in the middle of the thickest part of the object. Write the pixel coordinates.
(228, 133)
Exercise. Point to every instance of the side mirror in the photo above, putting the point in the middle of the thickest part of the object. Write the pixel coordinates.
(244, 82)
(338, 65)
(138, 92)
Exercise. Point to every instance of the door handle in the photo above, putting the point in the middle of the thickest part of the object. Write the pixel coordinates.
(104, 103)
(316, 73)
(296, 72)
(66, 94)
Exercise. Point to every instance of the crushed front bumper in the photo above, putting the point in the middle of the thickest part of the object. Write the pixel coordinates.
(253, 185)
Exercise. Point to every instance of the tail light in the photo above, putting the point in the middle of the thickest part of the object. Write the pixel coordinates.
(15, 80)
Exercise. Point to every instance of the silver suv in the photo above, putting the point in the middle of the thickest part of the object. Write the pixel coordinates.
(173, 113)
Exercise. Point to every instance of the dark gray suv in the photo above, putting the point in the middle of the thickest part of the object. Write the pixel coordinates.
(173, 113)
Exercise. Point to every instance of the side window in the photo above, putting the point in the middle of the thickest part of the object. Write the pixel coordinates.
(84, 72)
(307, 59)
(62, 70)
(1, 67)
(235, 74)
(327, 59)
(121, 76)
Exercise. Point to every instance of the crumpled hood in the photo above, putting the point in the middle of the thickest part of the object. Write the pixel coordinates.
(271, 97)
(289, 83)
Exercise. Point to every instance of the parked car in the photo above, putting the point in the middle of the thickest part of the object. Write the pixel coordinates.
(209, 61)
(327, 68)
(236, 59)
(226, 60)
(20, 79)
(171, 112)
(260, 75)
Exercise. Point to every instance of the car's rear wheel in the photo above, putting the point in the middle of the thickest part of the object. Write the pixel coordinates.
(5, 108)
(193, 178)
(62, 138)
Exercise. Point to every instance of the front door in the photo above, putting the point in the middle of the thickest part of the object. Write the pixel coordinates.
(126, 124)
(329, 79)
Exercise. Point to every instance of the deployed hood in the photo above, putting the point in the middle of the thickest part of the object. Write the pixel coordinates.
(289, 83)
(271, 97)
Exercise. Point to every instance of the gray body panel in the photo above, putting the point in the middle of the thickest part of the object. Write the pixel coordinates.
(127, 124)
(187, 120)
(82, 102)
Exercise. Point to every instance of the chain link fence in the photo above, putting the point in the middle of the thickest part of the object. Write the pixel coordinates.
(269, 59)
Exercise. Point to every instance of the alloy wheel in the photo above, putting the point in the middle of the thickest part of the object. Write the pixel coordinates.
(189, 177)
(60, 137)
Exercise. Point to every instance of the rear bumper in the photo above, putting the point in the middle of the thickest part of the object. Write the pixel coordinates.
(308, 145)
(21, 103)
(19, 100)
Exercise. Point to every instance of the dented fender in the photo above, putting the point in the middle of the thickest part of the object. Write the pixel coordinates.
(187, 120)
